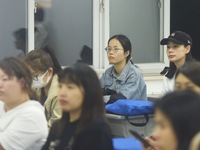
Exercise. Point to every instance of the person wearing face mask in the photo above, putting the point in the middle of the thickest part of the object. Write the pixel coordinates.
(44, 67)
(38, 82)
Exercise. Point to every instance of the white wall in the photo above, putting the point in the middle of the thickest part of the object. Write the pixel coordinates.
(154, 85)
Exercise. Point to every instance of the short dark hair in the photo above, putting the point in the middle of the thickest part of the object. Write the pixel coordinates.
(182, 108)
(21, 34)
(125, 42)
(192, 71)
(14, 67)
(93, 105)
(42, 59)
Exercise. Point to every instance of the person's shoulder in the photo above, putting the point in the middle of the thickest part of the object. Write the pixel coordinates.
(98, 128)
(134, 71)
(1, 108)
(109, 70)
(55, 126)
(98, 125)
(33, 112)
(55, 80)
(167, 79)
(134, 68)
(131, 68)
(54, 84)
(107, 73)
(1, 105)
(32, 107)
(52, 94)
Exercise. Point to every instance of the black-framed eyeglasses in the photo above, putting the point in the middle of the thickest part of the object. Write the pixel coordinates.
(115, 49)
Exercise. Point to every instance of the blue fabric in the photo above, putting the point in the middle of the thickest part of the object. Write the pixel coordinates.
(126, 144)
(130, 107)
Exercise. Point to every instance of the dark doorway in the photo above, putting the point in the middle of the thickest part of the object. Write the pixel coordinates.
(185, 16)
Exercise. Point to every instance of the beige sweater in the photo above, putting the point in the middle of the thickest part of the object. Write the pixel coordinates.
(53, 110)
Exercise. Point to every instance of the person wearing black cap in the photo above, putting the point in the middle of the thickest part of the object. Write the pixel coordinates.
(179, 52)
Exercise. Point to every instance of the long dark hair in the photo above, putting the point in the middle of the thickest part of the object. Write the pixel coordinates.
(192, 71)
(125, 42)
(93, 106)
(14, 67)
(42, 59)
(183, 110)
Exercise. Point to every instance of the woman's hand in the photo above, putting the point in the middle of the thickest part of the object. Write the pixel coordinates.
(153, 141)
(1, 148)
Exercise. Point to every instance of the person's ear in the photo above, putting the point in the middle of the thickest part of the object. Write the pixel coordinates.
(127, 53)
(50, 71)
(22, 82)
(188, 47)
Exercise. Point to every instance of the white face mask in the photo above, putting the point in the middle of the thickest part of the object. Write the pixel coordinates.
(39, 83)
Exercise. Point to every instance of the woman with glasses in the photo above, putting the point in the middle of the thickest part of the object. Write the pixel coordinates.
(44, 67)
(123, 80)
(23, 124)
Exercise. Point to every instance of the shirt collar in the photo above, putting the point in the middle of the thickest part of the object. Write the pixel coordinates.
(123, 73)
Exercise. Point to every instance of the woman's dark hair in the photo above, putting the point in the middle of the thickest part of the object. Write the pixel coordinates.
(183, 110)
(21, 35)
(14, 67)
(125, 42)
(192, 71)
(93, 105)
(172, 67)
(42, 59)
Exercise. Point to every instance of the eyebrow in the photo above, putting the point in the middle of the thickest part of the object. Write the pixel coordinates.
(113, 46)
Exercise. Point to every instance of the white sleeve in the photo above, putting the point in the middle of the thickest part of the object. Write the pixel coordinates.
(168, 85)
(1, 108)
(23, 132)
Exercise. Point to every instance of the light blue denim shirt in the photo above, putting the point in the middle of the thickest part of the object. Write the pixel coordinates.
(130, 83)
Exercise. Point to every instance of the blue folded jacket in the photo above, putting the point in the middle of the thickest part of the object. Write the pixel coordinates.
(130, 107)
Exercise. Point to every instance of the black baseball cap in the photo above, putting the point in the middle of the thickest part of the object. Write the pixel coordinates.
(177, 37)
